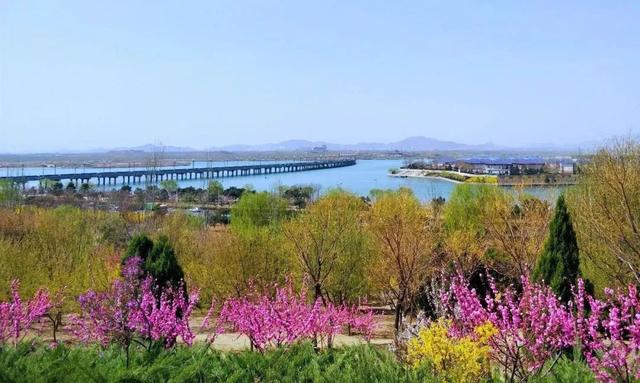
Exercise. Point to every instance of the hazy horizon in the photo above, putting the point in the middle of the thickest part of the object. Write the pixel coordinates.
(301, 143)
(81, 76)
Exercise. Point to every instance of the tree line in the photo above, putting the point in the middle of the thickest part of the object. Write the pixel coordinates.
(388, 247)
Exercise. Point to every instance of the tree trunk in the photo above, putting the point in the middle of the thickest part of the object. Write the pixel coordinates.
(318, 293)
(398, 321)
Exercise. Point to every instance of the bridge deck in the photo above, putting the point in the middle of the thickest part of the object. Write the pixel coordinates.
(156, 175)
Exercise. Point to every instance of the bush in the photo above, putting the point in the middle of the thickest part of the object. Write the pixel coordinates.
(448, 175)
(456, 359)
(158, 260)
(567, 371)
(483, 180)
(299, 363)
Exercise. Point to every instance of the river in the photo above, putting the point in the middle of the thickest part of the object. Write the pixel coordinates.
(360, 179)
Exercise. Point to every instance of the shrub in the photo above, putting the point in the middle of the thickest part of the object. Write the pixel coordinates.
(533, 326)
(456, 359)
(288, 318)
(482, 180)
(158, 260)
(610, 333)
(567, 371)
(300, 363)
(17, 317)
(130, 312)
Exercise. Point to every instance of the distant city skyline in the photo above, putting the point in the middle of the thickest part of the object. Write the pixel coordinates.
(80, 76)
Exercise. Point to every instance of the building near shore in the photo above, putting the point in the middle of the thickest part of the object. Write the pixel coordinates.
(500, 167)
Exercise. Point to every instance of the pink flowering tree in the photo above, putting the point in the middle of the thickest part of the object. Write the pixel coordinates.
(609, 331)
(534, 327)
(287, 318)
(210, 324)
(130, 312)
(18, 317)
(55, 314)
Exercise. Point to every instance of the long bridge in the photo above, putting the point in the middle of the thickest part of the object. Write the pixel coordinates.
(160, 174)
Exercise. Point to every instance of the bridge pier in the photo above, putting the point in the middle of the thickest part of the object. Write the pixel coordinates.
(156, 175)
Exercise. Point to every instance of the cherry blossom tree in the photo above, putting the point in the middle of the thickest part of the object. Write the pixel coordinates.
(131, 313)
(287, 318)
(609, 331)
(17, 317)
(534, 326)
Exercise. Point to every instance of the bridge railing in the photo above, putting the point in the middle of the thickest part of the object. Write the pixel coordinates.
(297, 166)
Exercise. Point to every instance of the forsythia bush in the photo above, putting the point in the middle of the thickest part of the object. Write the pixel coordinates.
(482, 180)
(464, 359)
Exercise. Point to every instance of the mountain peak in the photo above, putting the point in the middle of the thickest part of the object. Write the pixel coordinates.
(414, 143)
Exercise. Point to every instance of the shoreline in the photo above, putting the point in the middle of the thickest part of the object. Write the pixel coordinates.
(455, 177)
(398, 175)
(420, 173)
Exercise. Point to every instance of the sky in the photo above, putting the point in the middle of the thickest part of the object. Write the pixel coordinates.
(78, 75)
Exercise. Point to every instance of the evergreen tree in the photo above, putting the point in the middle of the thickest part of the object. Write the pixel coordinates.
(559, 264)
(163, 265)
(158, 259)
(139, 246)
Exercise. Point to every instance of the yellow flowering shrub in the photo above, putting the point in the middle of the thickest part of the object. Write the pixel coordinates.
(482, 180)
(453, 359)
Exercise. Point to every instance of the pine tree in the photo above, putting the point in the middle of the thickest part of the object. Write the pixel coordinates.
(158, 260)
(163, 265)
(559, 263)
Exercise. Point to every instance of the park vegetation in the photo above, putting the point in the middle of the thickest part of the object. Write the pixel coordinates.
(490, 284)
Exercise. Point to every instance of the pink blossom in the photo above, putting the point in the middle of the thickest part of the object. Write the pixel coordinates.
(533, 327)
(17, 317)
(609, 331)
(131, 309)
(287, 318)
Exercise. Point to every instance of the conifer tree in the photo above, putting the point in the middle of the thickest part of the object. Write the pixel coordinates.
(559, 263)
(158, 259)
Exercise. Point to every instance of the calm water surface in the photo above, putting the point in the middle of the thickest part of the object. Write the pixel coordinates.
(360, 179)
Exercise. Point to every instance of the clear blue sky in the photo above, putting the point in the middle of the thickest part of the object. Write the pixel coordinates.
(87, 74)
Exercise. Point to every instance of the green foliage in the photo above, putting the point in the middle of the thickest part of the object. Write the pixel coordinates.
(169, 185)
(250, 250)
(298, 195)
(51, 185)
(567, 371)
(465, 209)
(9, 194)
(214, 190)
(234, 192)
(447, 175)
(331, 246)
(605, 207)
(258, 210)
(61, 249)
(158, 259)
(86, 187)
(299, 363)
(559, 264)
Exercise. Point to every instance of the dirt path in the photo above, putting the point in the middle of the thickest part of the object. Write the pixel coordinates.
(229, 341)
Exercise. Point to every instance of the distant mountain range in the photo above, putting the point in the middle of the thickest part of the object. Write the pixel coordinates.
(417, 143)
(411, 144)
(149, 148)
